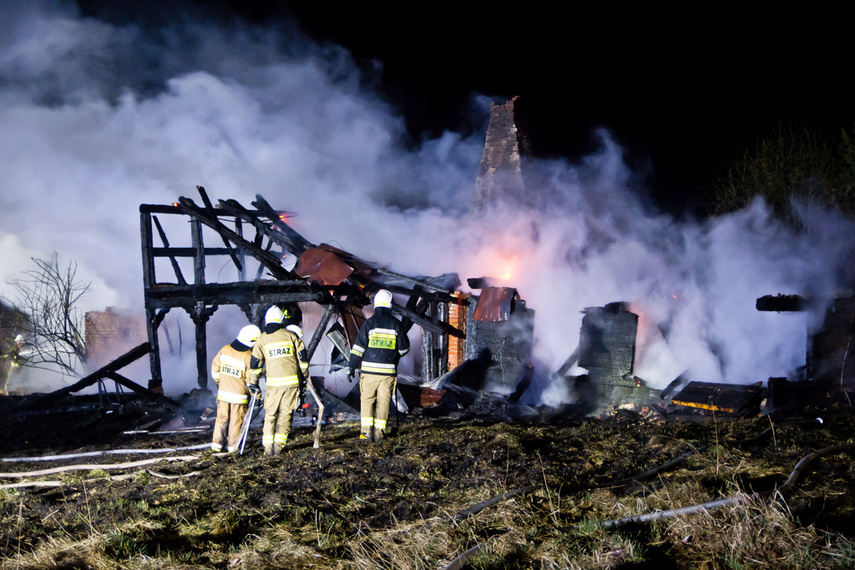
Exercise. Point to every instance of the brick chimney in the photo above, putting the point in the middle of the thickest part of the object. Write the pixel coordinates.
(501, 176)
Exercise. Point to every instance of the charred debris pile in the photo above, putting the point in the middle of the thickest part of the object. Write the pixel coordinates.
(475, 356)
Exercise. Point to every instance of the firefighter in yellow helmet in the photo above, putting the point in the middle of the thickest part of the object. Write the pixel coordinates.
(282, 356)
(230, 369)
(381, 342)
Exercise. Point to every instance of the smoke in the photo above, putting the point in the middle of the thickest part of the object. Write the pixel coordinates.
(101, 117)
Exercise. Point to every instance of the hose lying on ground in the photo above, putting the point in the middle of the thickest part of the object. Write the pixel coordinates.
(111, 478)
(490, 502)
(104, 452)
(785, 487)
(461, 560)
(94, 466)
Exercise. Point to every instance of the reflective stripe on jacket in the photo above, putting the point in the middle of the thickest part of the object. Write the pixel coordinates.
(230, 369)
(282, 356)
(380, 344)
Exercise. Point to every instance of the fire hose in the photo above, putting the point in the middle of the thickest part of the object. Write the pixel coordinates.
(459, 562)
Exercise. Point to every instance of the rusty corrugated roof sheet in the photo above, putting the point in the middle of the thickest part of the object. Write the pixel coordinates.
(322, 266)
(495, 304)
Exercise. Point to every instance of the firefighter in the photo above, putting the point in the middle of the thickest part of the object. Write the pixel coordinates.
(230, 369)
(281, 354)
(380, 344)
(16, 358)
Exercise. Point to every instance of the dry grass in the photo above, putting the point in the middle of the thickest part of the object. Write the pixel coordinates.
(392, 506)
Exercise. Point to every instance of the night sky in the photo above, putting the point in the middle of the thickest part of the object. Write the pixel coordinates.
(681, 92)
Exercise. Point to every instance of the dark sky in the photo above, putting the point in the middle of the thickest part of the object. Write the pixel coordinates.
(681, 92)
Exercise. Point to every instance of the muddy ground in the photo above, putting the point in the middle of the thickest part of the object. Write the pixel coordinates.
(392, 505)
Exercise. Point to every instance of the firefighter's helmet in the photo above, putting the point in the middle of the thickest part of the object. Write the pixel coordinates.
(274, 314)
(248, 335)
(383, 298)
(19, 338)
(296, 330)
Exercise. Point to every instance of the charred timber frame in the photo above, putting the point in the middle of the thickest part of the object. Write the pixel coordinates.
(427, 295)
(200, 299)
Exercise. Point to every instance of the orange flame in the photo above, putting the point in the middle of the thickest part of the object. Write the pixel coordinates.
(505, 266)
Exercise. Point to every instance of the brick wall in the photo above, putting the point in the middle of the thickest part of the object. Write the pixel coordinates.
(457, 319)
(506, 145)
(109, 334)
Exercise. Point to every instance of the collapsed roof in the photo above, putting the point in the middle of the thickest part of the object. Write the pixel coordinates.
(336, 280)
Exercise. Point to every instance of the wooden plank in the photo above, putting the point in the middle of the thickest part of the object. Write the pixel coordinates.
(163, 238)
(103, 372)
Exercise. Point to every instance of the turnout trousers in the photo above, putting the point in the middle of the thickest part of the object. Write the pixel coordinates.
(228, 425)
(375, 397)
(279, 404)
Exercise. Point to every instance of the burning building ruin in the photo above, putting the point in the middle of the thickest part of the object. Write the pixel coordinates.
(334, 280)
(828, 371)
(251, 257)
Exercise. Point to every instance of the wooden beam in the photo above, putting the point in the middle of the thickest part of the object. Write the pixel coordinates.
(175, 267)
(269, 260)
(119, 363)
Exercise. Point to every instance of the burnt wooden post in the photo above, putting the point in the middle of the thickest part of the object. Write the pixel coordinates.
(240, 254)
(319, 332)
(156, 381)
(254, 313)
(200, 315)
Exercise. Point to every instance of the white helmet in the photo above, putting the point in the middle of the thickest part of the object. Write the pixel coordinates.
(274, 315)
(296, 330)
(19, 338)
(382, 298)
(248, 335)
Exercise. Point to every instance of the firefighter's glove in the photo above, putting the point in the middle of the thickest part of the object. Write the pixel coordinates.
(351, 374)
(253, 389)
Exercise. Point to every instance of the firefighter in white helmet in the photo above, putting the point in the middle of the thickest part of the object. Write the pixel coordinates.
(381, 342)
(13, 360)
(230, 370)
(281, 354)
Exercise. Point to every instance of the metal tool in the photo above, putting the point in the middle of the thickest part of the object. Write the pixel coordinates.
(311, 388)
(244, 430)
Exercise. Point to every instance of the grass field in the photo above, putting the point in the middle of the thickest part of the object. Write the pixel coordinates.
(401, 504)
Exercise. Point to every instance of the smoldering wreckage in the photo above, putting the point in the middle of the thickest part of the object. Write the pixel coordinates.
(476, 349)
(475, 356)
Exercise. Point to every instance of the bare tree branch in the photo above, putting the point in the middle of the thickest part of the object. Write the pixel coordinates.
(49, 296)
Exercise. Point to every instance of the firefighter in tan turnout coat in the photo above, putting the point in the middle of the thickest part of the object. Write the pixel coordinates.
(281, 354)
(230, 369)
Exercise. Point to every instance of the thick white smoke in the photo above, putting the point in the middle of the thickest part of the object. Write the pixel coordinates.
(98, 119)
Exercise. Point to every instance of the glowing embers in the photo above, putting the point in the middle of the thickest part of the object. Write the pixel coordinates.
(730, 399)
